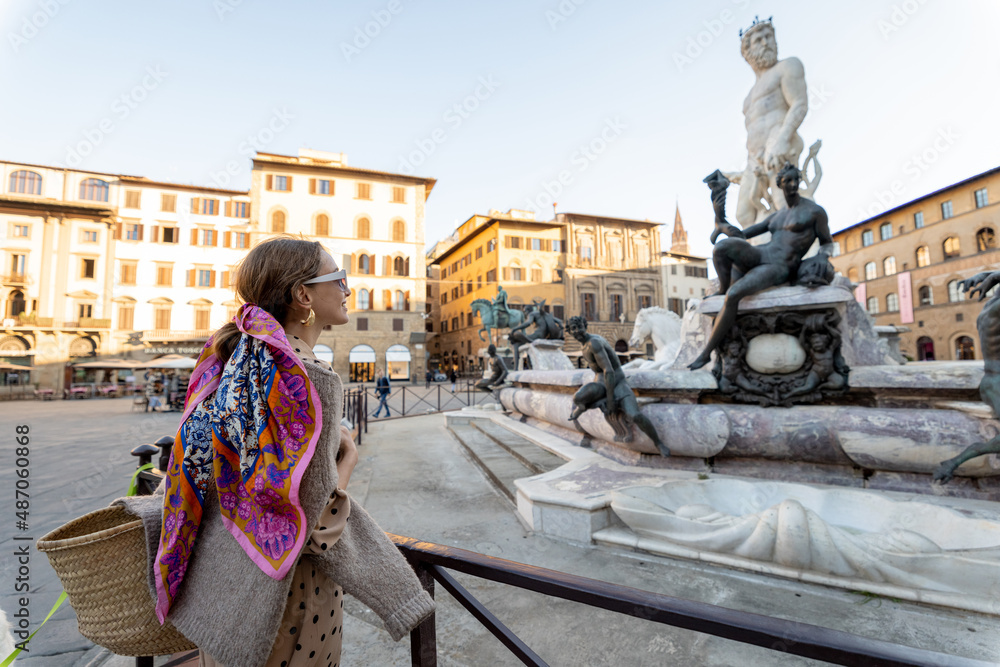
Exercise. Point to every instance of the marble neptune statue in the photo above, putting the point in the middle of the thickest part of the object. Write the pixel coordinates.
(773, 110)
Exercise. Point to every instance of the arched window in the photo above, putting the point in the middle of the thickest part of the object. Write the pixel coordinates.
(923, 256)
(398, 230)
(891, 302)
(94, 189)
(871, 272)
(322, 225)
(925, 349)
(952, 248)
(16, 303)
(985, 240)
(479, 281)
(954, 293)
(965, 349)
(889, 266)
(364, 228)
(852, 274)
(324, 353)
(25, 182)
(885, 231)
(365, 265)
(278, 222)
(873, 305)
(399, 300)
(364, 299)
(398, 266)
(926, 296)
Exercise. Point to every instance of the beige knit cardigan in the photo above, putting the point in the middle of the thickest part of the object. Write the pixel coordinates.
(231, 610)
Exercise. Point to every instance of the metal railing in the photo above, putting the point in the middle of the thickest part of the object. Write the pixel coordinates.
(777, 634)
(408, 401)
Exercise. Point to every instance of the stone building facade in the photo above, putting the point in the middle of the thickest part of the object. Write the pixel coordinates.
(603, 268)
(907, 263)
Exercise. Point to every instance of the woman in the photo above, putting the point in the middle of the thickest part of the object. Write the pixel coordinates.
(256, 524)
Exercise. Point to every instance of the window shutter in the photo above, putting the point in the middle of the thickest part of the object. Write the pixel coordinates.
(407, 300)
(194, 237)
(225, 278)
(288, 184)
(229, 209)
(215, 238)
(227, 239)
(155, 236)
(194, 204)
(386, 266)
(140, 231)
(211, 279)
(407, 266)
(312, 186)
(190, 277)
(270, 181)
(348, 263)
(387, 299)
(118, 230)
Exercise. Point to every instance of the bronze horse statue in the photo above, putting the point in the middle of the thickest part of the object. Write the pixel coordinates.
(493, 320)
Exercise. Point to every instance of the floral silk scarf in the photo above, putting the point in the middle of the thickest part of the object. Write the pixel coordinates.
(250, 428)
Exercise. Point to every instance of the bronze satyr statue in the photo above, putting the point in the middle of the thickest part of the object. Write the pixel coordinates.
(499, 371)
(988, 325)
(609, 391)
(547, 327)
(793, 231)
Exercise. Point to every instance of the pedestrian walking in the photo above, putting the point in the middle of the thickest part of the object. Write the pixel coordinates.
(382, 389)
(269, 409)
(428, 377)
(454, 378)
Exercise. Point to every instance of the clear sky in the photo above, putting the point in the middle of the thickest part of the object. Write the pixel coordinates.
(633, 102)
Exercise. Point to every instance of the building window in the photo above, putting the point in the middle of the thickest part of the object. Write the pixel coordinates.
(364, 299)
(892, 302)
(535, 244)
(889, 266)
(645, 301)
(852, 274)
(954, 293)
(133, 231)
(513, 273)
(126, 317)
(925, 349)
(399, 267)
(94, 189)
(84, 310)
(867, 237)
(926, 296)
(885, 231)
(985, 240)
(204, 206)
(17, 264)
(398, 195)
(168, 203)
(952, 248)
(536, 275)
(512, 242)
(981, 198)
(918, 220)
(21, 231)
(617, 306)
(479, 281)
(208, 237)
(586, 254)
(454, 324)
(559, 311)
(278, 222)
(238, 209)
(365, 265)
(491, 276)
(161, 317)
(946, 210)
(589, 302)
(362, 324)
(965, 349)
(164, 276)
(132, 198)
(279, 183)
(239, 240)
(322, 225)
(26, 183)
(479, 252)
(873, 305)
(89, 236)
(397, 324)
(204, 278)
(201, 318)
(321, 186)
(364, 228)
(88, 268)
(871, 272)
(128, 270)
(364, 191)
(399, 231)
(923, 256)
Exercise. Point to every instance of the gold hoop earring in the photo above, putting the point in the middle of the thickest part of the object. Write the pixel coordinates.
(311, 320)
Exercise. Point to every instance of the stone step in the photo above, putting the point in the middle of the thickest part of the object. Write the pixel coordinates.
(525, 451)
(500, 467)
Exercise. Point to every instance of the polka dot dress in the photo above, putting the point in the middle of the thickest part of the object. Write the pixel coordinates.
(311, 628)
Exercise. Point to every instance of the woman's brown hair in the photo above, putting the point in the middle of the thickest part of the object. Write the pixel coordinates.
(267, 277)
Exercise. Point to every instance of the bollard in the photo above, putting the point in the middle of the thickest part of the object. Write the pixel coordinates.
(145, 453)
(165, 444)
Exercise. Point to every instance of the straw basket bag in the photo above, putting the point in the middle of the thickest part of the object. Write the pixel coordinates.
(101, 560)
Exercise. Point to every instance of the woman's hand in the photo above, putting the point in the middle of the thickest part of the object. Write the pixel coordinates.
(347, 457)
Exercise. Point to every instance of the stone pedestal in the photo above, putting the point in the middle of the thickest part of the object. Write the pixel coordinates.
(547, 355)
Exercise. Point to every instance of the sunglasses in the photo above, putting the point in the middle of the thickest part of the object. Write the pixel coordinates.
(340, 277)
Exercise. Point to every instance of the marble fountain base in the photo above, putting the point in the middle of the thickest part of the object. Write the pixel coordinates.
(927, 549)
